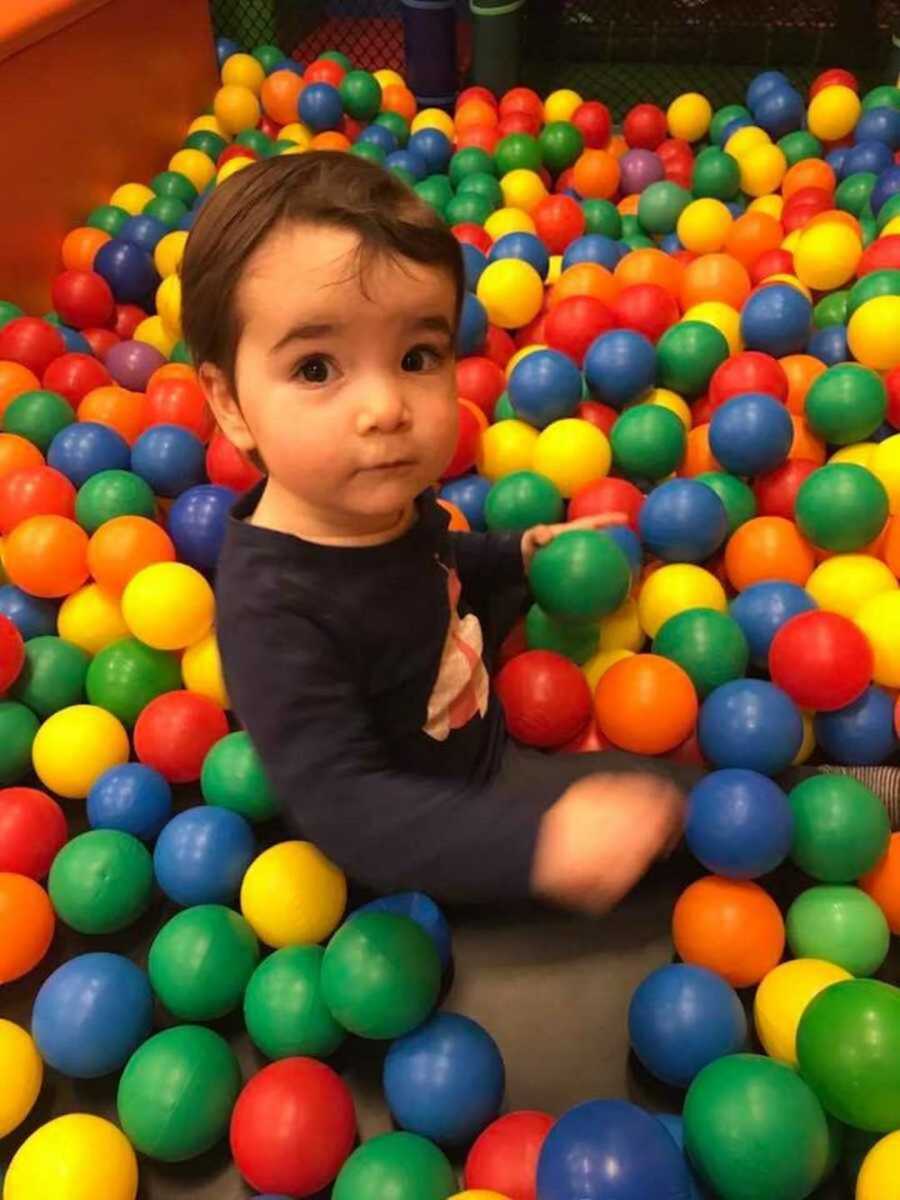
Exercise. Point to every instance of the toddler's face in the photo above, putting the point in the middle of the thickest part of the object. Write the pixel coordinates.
(347, 385)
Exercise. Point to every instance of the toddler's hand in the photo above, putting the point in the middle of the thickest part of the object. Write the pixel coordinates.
(601, 836)
(542, 535)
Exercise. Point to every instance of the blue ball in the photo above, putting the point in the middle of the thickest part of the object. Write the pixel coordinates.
(143, 231)
(132, 798)
(750, 723)
(407, 160)
(186, 223)
(751, 433)
(545, 387)
(289, 64)
(610, 1150)
(320, 107)
(225, 47)
(381, 136)
(829, 345)
(197, 523)
(776, 320)
(879, 125)
(419, 908)
(871, 156)
(763, 608)
(524, 246)
(682, 1018)
(201, 855)
(474, 263)
(75, 342)
(445, 1080)
(738, 824)
(736, 206)
(433, 147)
(469, 494)
(127, 269)
(671, 243)
(883, 432)
(683, 521)
(764, 83)
(837, 160)
(91, 1014)
(86, 448)
(629, 543)
(473, 325)
(169, 458)
(619, 366)
(862, 733)
(674, 1127)
(888, 185)
(594, 248)
(32, 616)
(780, 111)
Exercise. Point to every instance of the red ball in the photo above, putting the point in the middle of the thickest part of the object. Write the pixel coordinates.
(101, 341)
(82, 299)
(647, 308)
(227, 466)
(880, 255)
(689, 752)
(608, 495)
(772, 262)
(645, 126)
(504, 1157)
(565, 180)
(776, 491)
(805, 204)
(545, 697)
(179, 402)
(559, 221)
(518, 122)
(293, 1127)
(675, 151)
(31, 342)
(269, 127)
(835, 75)
(892, 385)
(702, 410)
(485, 137)
(74, 375)
(498, 346)
(351, 128)
(325, 70)
(589, 741)
(575, 322)
(475, 235)
(534, 333)
(594, 122)
(128, 317)
(236, 150)
(822, 660)
(467, 440)
(476, 93)
(12, 654)
(175, 732)
(679, 173)
(598, 414)
(481, 381)
(32, 831)
(749, 371)
(522, 99)
(34, 491)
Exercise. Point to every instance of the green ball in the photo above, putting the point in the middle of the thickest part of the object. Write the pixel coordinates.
(876, 283)
(255, 140)
(435, 190)
(754, 1130)
(9, 312)
(38, 417)
(484, 185)
(687, 354)
(631, 226)
(518, 152)
(737, 496)
(561, 145)
(468, 208)
(201, 960)
(399, 126)
(848, 1047)
(602, 216)
(470, 161)
(284, 1009)
(845, 404)
(111, 494)
(841, 507)
(886, 95)
(716, 174)
(887, 212)
(233, 777)
(710, 646)
(402, 1166)
(177, 1093)
(167, 209)
(571, 639)
(361, 94)
(798, 145)
(126, 675)
(268, 57)
(841, 828)
(868, 226)
(173, 183)
(853, 192)
(503, 409)
(381, 975)
(638, 241)
(18, 729)
(181, 354)
(52, 676)
(581, 575)
(660, 206)
(521, 500)
(371, 152)
(842, 925)
(832, 309)
(208, 143)
(648, 442)
(339, 57)
(108, 217)
(723, 117)
(101, 881)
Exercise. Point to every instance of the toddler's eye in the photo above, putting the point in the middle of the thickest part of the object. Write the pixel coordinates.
(421, 358)
(314, 370)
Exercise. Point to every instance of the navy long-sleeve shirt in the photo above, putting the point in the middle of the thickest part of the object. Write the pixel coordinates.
(358, 673)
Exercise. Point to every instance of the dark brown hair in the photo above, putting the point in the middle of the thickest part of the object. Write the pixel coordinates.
(320, 187)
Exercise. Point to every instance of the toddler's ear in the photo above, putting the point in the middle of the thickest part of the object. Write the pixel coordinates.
(225, 407)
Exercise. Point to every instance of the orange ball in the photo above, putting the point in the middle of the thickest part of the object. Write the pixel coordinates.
(330, 140)
(698, 457)
(801, 370)
(475, 114)
(485, 137)
(80, 247)
(809, 172)
(125, 545)
(171, 370)
(752, 234)
(645, 704)
(398, 99)
(617, 146)
(26, 925)
(14, 380)
(835, 216)
(279, 95)
(17, 454)
(806, 444)
(768, 548)
(729, 926)
(585, 279)
(883, 882)
(715, 277)
(46, 556)
(458, 521)
(890, 547)
(596, 175)
(628, 205)
(650, 266)
(122, 410)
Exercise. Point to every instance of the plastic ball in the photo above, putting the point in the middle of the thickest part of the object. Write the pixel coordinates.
(634, 688)
(703, 225)
(688, 353)
(38, 416)
(32, 831)
(34, 491)
(91, 619)
(731, 927)
(284, 1009)
(751, 433)
(683, 521)
(776, 320)
(24, 1073)
(505, 1155)
(101, 743)
(175, 731)
(581, 575)
(878, 1174)
(648, 442)
(783, 997)
(873, 332)
(545, 387)
(768, 548)
(571, 453)
(27, 923)
(750, 724)
(131, 798)
(202, 854)
(73, 1156)
(168, 605)
(738, 824)
(822, 660)
(833, 112)
(841, 829)
(32, 343)
(881, 883)
(763, 608)
(841, 507)
(31, 616)
(688, 116)
(673, 589)
(619, 366)
(879, 620)
(200, 962)
(293, 895)
(827, 256)
(863, 732)
(840, 924)
(512, 293)
(169, 458)
(545, 698)
(101, 881)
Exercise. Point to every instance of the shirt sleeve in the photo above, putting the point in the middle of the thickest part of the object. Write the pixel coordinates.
(488, 558)
(387, 829)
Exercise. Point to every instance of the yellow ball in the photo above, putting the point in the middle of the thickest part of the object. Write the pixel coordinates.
(783, 997)
(762, 169)
(232, 167)
(22, 1073)
(511, 291)
(773, 206)
(133, 197)
(833, 112)
(293, 895)
(508, 220)
(201, 670)
(560, 105)
(168, 305)
(506, 447)
(478, 1194)
(386, 77)
(434, 118)
(808, 745)
(689, 116)
(555, 269)
(742, 141)
(193, 165)
(572, 453)
(703, 225)
(75, 746)
(879, 1175)
(874, 332)
(75, 1157)
(621, 630)
(722, 317)
(523, 353)
(595, 668)
(91, 618)
(879, 619)
(208, 124)
(675, 588)
(169, 252)
(523, 189)
(243, 70)
(168, 606)
(885, 463)
(792, 241)
(860, 454)
(826, 257)
(665, 398)
(296, 132)
(844, 583)
(791, 281)
(154, 333)
(891, 228)
(236, 108)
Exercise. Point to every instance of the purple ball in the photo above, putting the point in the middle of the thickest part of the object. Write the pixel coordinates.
(639, 169)
(132, 363)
